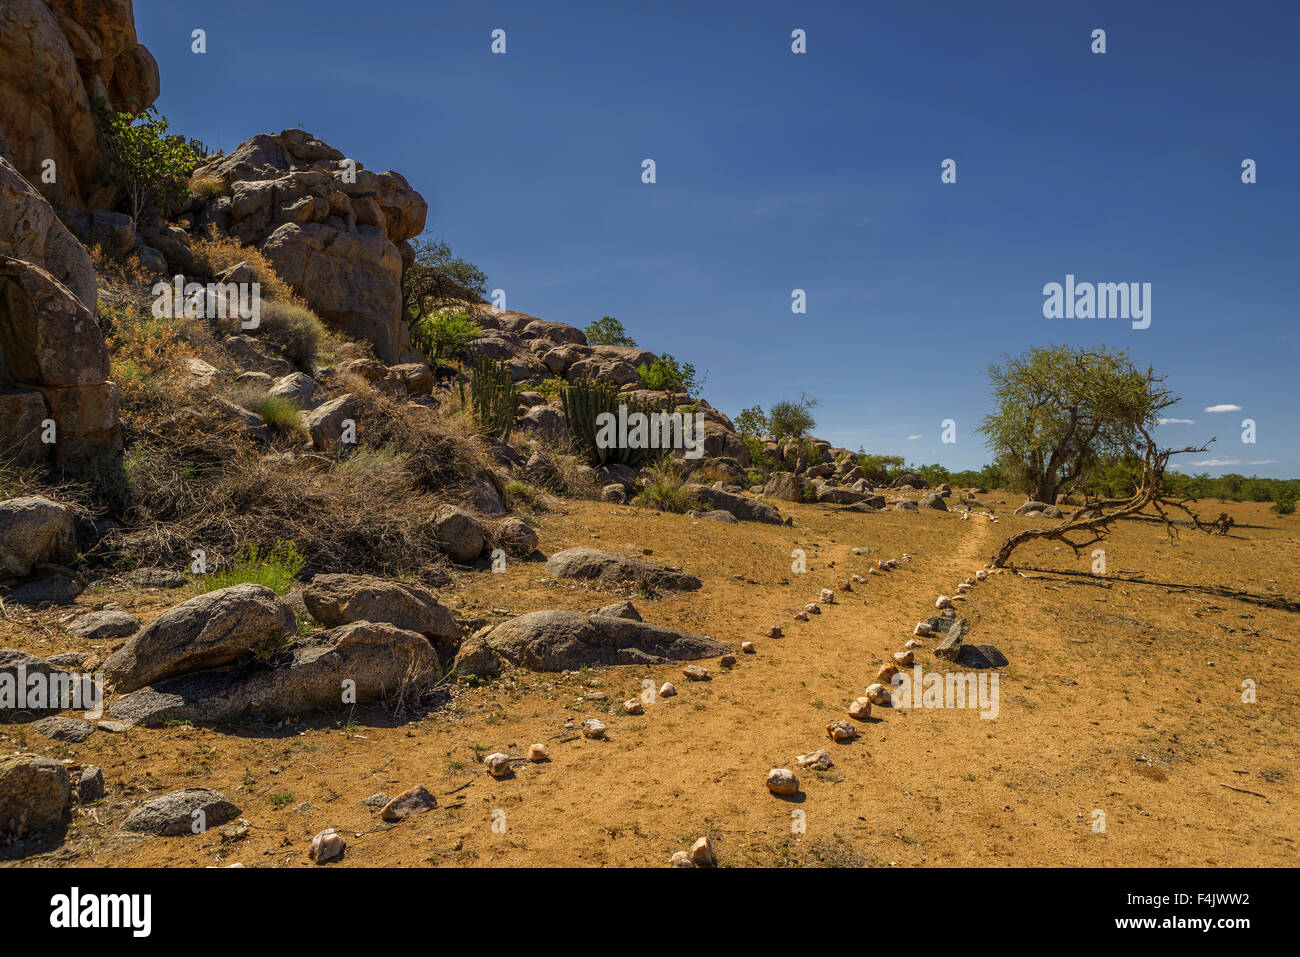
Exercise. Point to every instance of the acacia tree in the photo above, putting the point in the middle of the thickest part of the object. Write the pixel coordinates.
(1095, 520)
(1063, 411)
(437, 279)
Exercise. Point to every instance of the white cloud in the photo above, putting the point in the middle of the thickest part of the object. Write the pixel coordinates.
(1177, 421)
(913, 438)
(1225, 407)
(1262, 462)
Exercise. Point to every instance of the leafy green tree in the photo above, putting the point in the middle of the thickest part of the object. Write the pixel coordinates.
(608, 331)
(666, 374)
(751, 423)
(877, 466)
(792, 420)
(145, 162)
(438, 279)
(1061, 411)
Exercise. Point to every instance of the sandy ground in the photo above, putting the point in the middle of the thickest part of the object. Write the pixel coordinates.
(1123, 694)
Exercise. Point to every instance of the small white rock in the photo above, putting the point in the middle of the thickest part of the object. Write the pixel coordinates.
(666, 690)
(591, 728)
(326, 846)
(497, 764)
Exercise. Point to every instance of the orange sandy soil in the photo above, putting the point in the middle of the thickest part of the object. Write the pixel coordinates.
(1124, 698)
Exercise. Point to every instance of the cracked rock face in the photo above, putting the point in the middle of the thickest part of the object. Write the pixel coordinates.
(55, 56)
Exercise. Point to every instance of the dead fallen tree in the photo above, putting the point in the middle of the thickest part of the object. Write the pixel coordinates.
(1096, 517)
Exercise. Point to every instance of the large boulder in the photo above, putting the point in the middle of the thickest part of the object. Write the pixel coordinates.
(785, 487)
(839, 495)
(33, 793)
(30, 230)
(212, 629)
(378, 659)
(342, 599)
(327, 423)
(933, 500)
(1049, 511)
(745, 509)
(34, 529)
(591, 564)
(54, 57)
(334, 230)
(50, 344)
(563, 640)
(458, 533)
(191, 811)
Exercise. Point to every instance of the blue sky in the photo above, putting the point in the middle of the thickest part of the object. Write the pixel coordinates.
(821, 171)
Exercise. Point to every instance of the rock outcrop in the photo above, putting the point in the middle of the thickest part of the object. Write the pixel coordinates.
(55, 56)
(54, 393)
(335, 231)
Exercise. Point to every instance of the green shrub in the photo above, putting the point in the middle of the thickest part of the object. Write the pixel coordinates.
(1284, 502)
(666, 374)
(665, 490)
(518, 494)
(277, 569)
(292, 330)
(446, 335)
(792, 420)
(280, 414)
(551, 388)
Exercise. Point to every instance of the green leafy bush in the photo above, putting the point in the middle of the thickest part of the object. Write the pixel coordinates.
(446, 335)
(792, 420)
(149, 165)
(665, 490)
(666, 374)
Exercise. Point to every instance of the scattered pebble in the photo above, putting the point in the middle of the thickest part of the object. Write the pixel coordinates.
(497, 764)
(702, 853)
(914, 643)
(326, 846)
(681, 859)
(905, 658)
(538, 752)
(666, 690)
(727, 661)
(878, 694)
(842, 730)
(819, 760)
(747, 647)
(886, 673)
(782, 781)
(812, 608)
(827, 596)
(591, 728)
(408, 804)
(943, 601)
(801, 616)
(921, 629)
(696, 673)
(633, 706)
(775, 632)
(860, 710)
